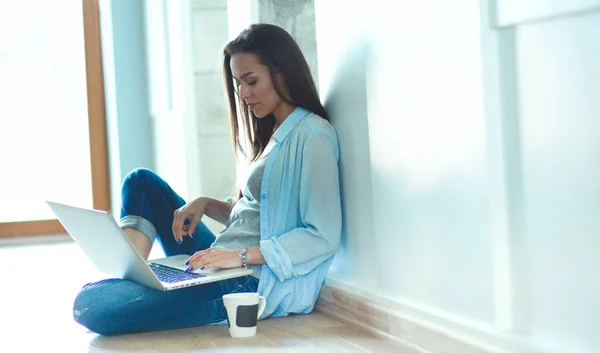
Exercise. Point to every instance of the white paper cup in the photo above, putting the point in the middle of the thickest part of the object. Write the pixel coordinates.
(243, 311)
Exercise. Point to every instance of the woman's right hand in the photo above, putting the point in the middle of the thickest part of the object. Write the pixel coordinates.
(191, 211)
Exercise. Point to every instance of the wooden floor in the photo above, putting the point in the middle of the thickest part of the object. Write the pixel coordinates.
(41, 281)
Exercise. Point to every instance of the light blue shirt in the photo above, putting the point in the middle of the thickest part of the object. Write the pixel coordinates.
(300, 213)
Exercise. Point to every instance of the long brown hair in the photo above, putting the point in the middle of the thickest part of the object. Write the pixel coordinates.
(276, 49)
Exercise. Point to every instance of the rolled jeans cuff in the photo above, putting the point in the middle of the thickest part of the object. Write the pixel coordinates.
(140, 224)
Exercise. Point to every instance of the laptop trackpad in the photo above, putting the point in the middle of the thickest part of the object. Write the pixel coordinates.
(178, 261)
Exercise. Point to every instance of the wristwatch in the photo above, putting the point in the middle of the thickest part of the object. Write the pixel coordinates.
(242, 256)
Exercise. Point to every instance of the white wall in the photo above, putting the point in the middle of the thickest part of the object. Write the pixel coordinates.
(416, 87)
(469, 160)
(559, 95)
(514, 12)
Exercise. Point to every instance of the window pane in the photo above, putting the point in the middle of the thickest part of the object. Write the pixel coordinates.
(44, 135)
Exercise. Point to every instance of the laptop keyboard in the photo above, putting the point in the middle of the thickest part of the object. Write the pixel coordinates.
(172, 275)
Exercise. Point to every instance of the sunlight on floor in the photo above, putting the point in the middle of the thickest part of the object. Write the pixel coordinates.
(41, 282)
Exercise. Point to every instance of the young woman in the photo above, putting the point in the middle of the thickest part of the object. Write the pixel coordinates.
(286, 218)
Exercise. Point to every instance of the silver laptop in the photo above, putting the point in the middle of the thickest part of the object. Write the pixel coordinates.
(100, 237)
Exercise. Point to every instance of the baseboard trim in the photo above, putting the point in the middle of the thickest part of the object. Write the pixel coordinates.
(390, 323)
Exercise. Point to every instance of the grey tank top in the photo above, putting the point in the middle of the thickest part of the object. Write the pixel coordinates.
(243, 227)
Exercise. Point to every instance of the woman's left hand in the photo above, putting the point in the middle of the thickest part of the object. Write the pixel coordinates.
(209, 258)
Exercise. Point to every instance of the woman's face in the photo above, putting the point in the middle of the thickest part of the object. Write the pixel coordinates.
(254, 85)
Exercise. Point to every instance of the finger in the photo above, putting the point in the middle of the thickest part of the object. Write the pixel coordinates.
(197, 255)
(198, 264)
(200, 267)
(212, 259)
(176, 227)
(185, 227)
(208, 266)
(194, 225)
(200, 259)
(174, 223)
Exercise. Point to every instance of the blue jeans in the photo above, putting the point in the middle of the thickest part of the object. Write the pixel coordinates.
(118, 306)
